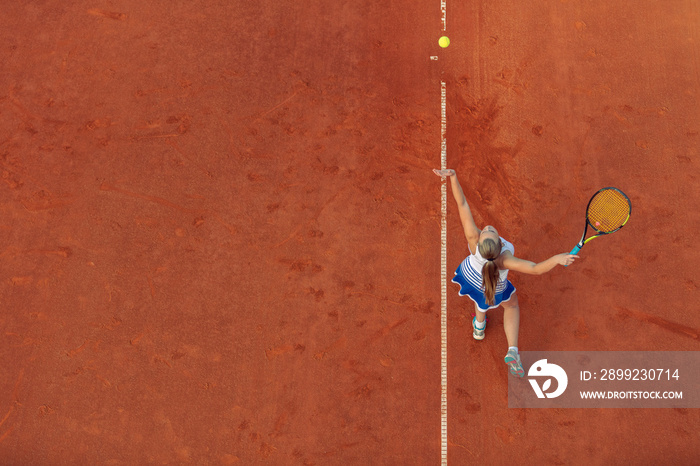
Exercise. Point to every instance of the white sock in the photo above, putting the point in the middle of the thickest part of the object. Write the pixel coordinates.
(480, 325)
(513, 348)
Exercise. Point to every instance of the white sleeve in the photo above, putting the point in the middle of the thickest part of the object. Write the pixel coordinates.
(508, 246)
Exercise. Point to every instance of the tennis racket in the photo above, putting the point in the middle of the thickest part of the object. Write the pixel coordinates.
(607, 211)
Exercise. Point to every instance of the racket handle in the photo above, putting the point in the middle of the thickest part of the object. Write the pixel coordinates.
(574, 251)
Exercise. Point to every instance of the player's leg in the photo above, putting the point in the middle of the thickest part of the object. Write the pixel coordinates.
(511, 319)
(479, 324)
(511, 325)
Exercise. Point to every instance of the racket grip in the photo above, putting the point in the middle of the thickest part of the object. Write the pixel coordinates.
(574, 251)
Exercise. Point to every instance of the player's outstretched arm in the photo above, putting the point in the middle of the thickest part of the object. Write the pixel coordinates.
(520, 265)
(465, 214)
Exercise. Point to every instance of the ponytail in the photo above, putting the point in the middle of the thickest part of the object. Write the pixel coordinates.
(490, 275)
(490, 250)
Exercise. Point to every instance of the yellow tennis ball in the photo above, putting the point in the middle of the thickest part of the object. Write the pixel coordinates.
(444, 41)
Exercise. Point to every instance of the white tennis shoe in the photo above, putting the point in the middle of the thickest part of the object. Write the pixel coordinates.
(478, 334)
(513, 361)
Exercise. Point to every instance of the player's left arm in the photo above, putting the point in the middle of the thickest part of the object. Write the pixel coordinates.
(471, 231)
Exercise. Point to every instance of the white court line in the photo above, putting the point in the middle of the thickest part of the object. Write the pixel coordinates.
(443, 251)
(443, 11)
(443, 273)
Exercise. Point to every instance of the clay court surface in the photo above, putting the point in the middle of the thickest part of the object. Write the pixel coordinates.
(220, 232)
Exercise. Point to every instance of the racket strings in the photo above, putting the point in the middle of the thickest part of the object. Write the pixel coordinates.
(608, 210)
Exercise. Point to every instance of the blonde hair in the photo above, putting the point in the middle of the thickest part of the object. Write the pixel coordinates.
(489, 249)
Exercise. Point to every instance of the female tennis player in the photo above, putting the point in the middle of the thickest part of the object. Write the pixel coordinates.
(483, 275)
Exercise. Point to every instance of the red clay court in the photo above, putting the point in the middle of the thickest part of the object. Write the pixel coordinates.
(221, 235)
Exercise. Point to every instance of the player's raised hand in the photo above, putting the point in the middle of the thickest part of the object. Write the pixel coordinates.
(444, 172)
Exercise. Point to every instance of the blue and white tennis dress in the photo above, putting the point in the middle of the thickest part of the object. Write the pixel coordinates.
(468, 277)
